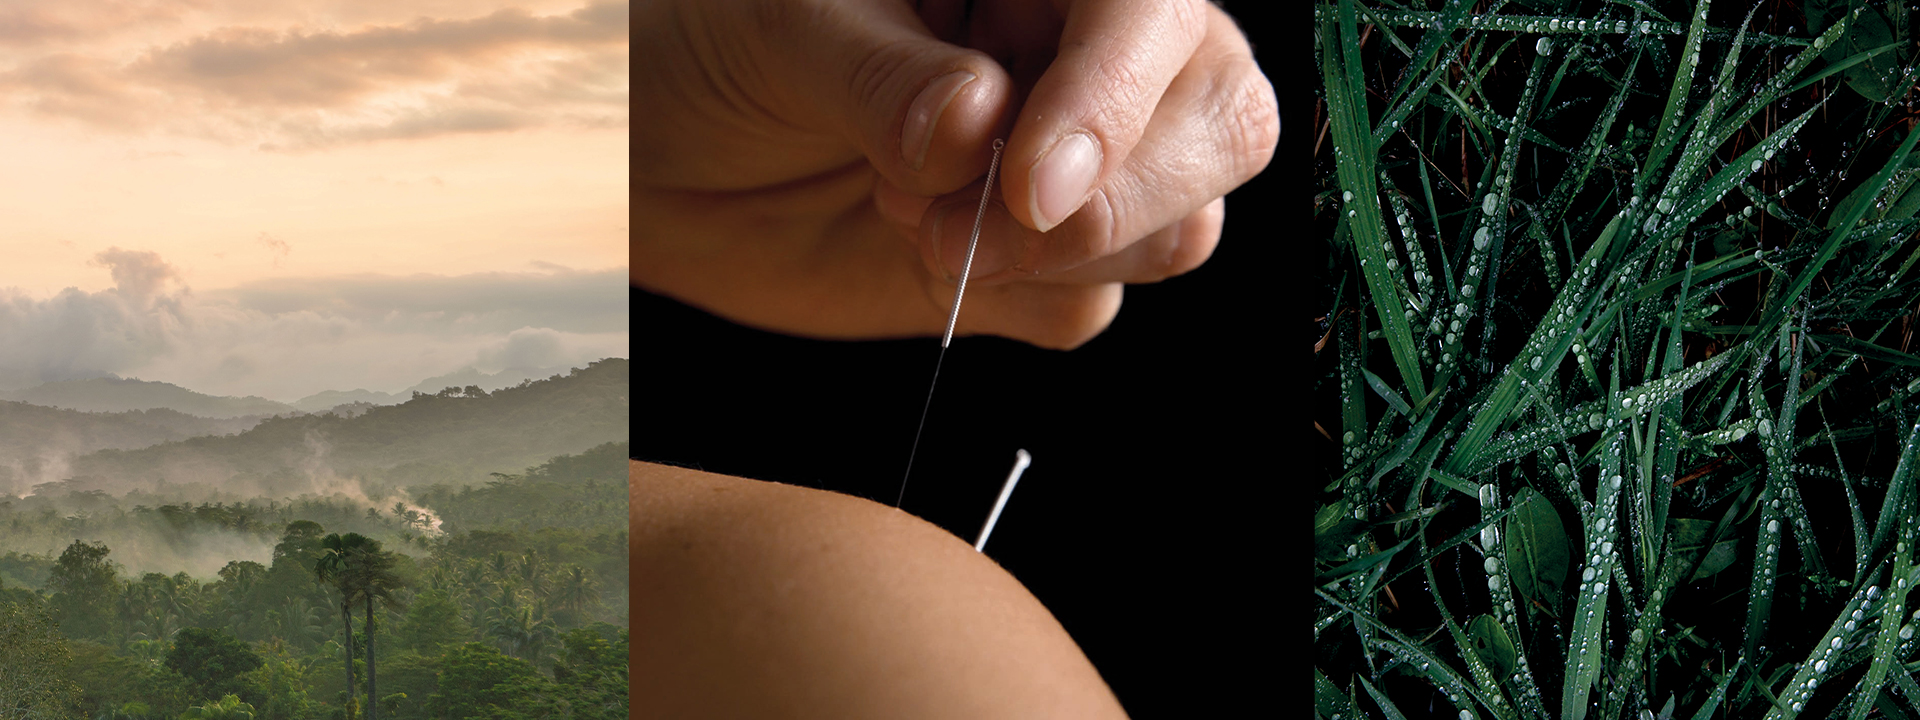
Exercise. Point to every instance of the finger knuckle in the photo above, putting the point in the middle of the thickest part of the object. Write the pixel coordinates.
(1199, 236)
(1084, 319)
(1252, 117)
(877, 73)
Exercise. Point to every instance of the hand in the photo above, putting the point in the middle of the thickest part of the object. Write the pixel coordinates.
(814, 166)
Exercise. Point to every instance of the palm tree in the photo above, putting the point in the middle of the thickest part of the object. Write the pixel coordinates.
(377, 582)
(336, 567)
(577, 589)
(533, 573)
(523, 631)
(300, 622)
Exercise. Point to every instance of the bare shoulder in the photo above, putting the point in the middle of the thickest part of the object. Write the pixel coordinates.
(762, 600)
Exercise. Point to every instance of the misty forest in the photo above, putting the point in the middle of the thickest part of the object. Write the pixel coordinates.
(461, 554)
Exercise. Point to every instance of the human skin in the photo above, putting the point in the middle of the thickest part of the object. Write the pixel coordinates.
(813, 167)
(769, 601)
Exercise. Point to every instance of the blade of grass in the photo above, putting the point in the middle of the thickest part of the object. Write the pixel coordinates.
(1346, 105)
(1891, 612)
(1542, 354)
(1585, 651)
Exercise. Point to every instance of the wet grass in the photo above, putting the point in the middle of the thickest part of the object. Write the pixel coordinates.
(1618, 404)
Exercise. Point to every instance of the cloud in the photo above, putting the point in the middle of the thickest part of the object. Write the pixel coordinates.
(528, 348)
(497, 302)
(38, 22)
(299, 87)
(76, 335)
(138, 276)
(289, 338)
(278, 247)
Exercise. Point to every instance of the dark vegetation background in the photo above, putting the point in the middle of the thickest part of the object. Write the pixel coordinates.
(1162, 449)
(1833, 154)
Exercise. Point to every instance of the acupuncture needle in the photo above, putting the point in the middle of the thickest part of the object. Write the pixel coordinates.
(953, 315)
(1021, 460)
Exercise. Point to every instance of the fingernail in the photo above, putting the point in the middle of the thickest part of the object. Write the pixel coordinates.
(924, 114)
(1062, 179)
(999, 247)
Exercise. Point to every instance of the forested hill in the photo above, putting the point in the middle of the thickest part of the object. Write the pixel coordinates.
(122, 394)
(452, 436)
(35, 441)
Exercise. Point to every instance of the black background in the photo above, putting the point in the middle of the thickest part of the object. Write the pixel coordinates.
(1164, 450)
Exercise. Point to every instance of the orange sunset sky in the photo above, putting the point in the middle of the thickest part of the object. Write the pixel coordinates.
(279, 198)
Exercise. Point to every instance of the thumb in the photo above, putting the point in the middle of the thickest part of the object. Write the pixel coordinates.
(923, 112)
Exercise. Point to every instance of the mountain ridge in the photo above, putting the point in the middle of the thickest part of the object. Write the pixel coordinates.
(454, 434)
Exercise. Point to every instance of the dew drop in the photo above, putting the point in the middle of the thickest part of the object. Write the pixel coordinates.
(1346, 196)
(1586, 575)
(1756, 166)
(1665, 205)
(1347, 438)
(1487, 204)
(1543, 46)
(1773, 526)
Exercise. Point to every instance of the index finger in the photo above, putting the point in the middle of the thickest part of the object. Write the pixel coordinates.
(1088, 110)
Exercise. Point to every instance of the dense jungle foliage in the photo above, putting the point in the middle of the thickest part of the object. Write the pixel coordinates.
(503, 598)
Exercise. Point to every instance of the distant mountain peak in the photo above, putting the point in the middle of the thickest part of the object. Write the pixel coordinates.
(117, 394)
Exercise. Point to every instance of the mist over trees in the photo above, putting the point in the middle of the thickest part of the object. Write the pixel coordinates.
(480, 601)
(474, 582)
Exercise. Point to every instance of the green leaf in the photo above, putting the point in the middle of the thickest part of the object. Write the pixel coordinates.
(1873, 29)
(1689, 540)
(1537, 549)
(1332, 545)
(1493, 646)
(1329, 516)
(1386, 393)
